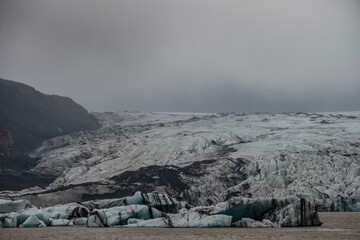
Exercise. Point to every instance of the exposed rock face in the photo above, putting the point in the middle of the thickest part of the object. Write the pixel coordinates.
(18, 179)
(27, 117)
(31, 116)
(6, 143)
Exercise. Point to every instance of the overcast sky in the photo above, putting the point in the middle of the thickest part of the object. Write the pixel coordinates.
(186, 55)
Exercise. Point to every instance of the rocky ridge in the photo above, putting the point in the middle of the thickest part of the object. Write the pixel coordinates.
(31, 116)
(27, 118)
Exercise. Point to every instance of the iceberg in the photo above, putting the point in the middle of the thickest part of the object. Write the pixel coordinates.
(61, 222)
(120, 215)
(134, 220)
(144, 212)
(8, 220)
(67, 211)
(157, 222)
(32, 222)
(40, 214)
(13, 206)
(198, 221)
(192, 218)
(80, 221)
(286, 212)
(249, 222)
(137, 199)
(199, 217)
(161, 202)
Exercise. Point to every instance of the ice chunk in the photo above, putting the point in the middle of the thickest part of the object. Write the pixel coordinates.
(80, 221)
(199, 221)
(162, 202)
(248, 222)
(120, 215)
(61, 222)
(8, 220)
(180, 219)
(137, 199)
(22, 216)
(157, 222)
(67, 211)
(134, 220)
(95, 220)
(245, 207)
(32, 222)
(186, 218)
(199, 217)
(7, 206)
(289, 212)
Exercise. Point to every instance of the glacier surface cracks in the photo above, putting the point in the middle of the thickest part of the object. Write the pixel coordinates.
(205, 159)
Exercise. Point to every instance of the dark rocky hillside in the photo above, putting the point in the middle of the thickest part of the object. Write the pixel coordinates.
(31, 117)
(6, 143)
(28, 117)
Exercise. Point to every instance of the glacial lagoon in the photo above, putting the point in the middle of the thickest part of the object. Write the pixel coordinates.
(336, 225)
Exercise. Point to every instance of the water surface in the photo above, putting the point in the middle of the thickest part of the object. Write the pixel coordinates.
(336, 226)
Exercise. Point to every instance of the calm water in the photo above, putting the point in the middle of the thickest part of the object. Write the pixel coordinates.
(336, 226)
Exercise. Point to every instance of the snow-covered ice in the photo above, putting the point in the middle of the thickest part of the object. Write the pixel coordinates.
(205, 159)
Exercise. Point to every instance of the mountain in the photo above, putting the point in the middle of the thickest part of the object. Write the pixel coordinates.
(6, 143)
(27, 117)
(204, 159)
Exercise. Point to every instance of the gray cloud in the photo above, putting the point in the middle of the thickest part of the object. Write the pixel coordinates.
(203, 55)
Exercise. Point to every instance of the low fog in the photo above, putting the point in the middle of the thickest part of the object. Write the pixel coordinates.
(192, 56)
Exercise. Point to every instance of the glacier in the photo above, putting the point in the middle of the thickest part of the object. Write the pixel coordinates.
(202, 160)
